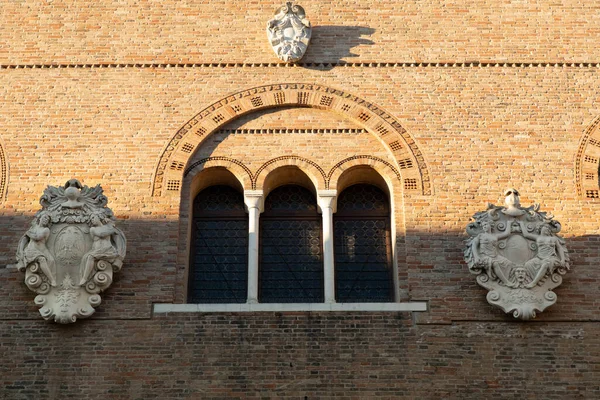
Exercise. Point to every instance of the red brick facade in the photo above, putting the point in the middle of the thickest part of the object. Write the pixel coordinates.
(448, 103)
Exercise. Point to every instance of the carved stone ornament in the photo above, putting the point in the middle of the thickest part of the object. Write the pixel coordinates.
(517, 256)
(71, 251)
(289, 32)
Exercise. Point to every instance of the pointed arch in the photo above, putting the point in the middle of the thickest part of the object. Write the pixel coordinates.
(587, 162)
(410, 161)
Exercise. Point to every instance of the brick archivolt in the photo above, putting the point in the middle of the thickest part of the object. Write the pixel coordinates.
(314, 172)
(587, 162)
(409, 159)
(383, 167)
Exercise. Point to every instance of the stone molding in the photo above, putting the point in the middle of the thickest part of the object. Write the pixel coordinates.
(517, 255)
(71, 251)
(168, 174)
(414, 306)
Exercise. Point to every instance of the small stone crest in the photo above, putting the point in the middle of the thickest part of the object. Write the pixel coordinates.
(516, 254)
(289, 32)
(70, 251)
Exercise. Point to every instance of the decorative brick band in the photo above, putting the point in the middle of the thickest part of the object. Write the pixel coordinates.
(428, 64)
(270, 131)
(3, 174)
(289, 160)
(324, 180)
(587, 162)
(227, 159)
(376, 162)
(169, 170)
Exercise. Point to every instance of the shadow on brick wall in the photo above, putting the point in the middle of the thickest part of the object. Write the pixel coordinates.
(148, 274)
(331, 44)
(432, 270)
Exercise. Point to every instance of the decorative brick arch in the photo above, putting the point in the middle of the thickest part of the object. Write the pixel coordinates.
(588, 162)
(314, 172)
(169, 171)
(237, 168)
(383, 167)
(3, 173)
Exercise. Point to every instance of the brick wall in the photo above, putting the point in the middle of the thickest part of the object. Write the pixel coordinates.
(494, 96)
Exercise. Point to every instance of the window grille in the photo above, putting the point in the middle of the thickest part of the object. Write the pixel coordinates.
(219, 250)
(362, 243)
(291, 261)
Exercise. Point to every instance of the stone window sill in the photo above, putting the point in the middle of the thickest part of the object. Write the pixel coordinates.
(416, 306)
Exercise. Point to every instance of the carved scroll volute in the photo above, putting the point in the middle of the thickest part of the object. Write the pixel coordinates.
(517, 256)
(70, 251)
(289, 32)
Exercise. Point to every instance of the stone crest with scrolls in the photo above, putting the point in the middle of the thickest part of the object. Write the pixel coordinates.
(516, 254)
(70, 251)
(289, 32)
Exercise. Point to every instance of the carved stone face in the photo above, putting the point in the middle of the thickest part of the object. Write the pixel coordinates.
(486, 226)
(95, 220)
(512, 198)
(44, 220)
(545, 231)
(72, 193)
(520, 274)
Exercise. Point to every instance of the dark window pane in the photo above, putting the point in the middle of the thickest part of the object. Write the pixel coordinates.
(362, 246)
(290, 198)
(291, 265)
(362, 198)
(219, 201)
(219, 253)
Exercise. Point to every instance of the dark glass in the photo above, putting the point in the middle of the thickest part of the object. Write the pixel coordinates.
(291, 263)
(219, 250)
(362, 243)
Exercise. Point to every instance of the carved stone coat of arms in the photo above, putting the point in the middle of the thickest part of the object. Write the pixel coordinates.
(517, 256)
(70, 251)
(289, 32)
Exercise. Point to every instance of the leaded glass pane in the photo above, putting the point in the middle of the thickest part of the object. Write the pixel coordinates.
(222, 200)
(219, 251)
(290, 198)
(291, 265)
(362, 198)
(362, 248)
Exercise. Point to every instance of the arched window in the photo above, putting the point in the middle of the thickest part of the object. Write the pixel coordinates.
(219, 251)
(291, 262)
(362, 246)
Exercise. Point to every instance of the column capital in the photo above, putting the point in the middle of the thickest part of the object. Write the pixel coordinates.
(327, 199)
(254, 199)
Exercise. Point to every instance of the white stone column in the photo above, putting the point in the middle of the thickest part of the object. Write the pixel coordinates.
(327, 202)
(254, 201)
